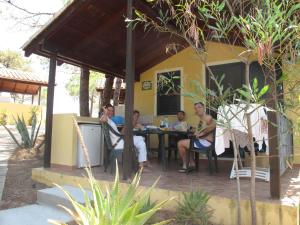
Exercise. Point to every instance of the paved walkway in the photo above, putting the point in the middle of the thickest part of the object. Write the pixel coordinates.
(7, 147)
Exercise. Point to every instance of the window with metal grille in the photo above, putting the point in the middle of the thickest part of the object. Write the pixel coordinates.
(168, 92)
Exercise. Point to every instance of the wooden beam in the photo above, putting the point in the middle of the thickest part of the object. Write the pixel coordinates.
(57, 22)
(129, 101)
(25, 91)
(273, 130)
(49, 111)
(74, 58)
(274, 160)
(109, 21)
(84, 92)
(14, 88)
(24, 82)
(39, 98)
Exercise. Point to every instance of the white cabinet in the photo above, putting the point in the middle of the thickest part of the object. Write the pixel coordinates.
(93, 139)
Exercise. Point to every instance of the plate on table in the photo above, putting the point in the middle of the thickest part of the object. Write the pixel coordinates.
(151, 127)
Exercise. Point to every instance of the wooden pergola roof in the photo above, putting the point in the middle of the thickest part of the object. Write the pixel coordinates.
(16, 81)
(92, 33)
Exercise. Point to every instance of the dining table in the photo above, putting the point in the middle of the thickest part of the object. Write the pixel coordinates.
(161, 133)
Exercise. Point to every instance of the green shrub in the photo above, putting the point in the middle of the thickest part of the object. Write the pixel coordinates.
(193, 210)
(114, 205)
(34, 112)
(28, 138)
(3, 117)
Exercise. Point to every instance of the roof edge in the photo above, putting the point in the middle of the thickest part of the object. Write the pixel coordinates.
(61, 15)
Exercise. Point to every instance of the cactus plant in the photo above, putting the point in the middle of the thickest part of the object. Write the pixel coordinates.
(28, 138)
(3, 117)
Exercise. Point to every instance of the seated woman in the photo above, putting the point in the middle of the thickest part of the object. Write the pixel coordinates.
(204, 135)
(118, 143)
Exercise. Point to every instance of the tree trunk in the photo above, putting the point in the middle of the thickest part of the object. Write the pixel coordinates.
(117, 91)
(252, 150)
(84, 92)
(236, 167)
(107, 91)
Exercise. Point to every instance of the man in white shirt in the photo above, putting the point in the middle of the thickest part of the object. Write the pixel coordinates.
(138, 141)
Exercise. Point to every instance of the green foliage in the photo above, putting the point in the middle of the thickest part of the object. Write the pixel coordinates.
(254, 94)
(13, 60)
(114, 206)
(73, 84)
(194, 210)
(34, 112)
(272, 30)
(3, 117)
(28, 138)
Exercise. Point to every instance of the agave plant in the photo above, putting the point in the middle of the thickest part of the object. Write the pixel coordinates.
(114, 206)
(193, 210)
(3, 117)
(28, 138)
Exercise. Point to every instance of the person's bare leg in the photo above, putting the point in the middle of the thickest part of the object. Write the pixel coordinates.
(183, 145)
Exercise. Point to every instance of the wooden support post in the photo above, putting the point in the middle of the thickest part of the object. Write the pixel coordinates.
(272, 102)
(49, 111)
(129, 101)
(274, 156)
(32, 99)
(84, 92)
(40, 93)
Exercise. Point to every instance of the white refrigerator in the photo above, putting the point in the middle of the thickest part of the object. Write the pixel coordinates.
(93, 139)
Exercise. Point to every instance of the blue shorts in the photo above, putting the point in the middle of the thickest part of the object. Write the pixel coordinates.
(202, 144)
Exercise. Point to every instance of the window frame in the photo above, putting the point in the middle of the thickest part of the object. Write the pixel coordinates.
(180, 69)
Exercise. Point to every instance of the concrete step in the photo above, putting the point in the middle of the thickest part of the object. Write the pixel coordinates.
(33, 215)
(55, 196)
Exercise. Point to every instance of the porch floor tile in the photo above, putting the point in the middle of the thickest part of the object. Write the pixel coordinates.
(217, 184)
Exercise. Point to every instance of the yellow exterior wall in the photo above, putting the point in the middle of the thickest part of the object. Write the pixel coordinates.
(192, 69)
(64, 139)
(268, 213)
(15, 109)
(293, 72)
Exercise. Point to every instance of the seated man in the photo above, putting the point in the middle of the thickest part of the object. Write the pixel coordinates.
(204, 135)
(180, 124)
(139, 143)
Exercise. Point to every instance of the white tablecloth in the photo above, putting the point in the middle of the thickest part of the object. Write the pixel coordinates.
(238, 123)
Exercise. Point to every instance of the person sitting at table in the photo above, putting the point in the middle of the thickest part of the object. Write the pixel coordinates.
(204, 135)
(118, 143)
(180, 124)
(174, 138)
(136, 117)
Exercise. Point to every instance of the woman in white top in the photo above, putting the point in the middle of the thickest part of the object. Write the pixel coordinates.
(138, 141)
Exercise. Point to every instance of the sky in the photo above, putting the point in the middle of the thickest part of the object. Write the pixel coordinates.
(13, 35)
